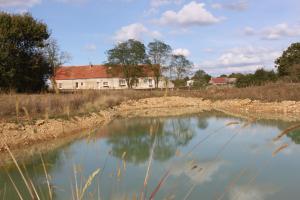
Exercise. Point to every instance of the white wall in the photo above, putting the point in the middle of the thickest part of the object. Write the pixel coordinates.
(109, 83)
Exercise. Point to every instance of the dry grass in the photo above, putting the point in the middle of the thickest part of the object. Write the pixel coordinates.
(286, 131)
(15, 107)
(268, 93)
(44, 106)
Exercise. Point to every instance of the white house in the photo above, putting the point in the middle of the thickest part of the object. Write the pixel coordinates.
(190, 83)
(102, 77)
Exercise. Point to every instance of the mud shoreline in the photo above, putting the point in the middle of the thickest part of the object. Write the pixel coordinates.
(54, 131)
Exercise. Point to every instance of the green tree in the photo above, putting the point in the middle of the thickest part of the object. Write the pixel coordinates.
(236, 75)
(56, 58)
(129, 55)
(181, 66)
(245, 81)
(295, 136)
(201, 78)
(295, 73)
(260, 77)
(289, 59)
(23, 66)
(158, 53)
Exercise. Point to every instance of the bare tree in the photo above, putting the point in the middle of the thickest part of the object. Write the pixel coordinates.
(180, 65)
(159, 54)
(56, 58)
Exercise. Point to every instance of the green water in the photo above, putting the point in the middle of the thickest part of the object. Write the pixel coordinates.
(225, 162)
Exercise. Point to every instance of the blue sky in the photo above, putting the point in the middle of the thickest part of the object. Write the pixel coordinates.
(217, 36)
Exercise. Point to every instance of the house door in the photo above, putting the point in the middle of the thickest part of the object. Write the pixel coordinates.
(150, 83)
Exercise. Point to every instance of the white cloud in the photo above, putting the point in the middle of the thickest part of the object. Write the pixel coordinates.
(72, 1)
(281, 30)
(18, 3)
(236, 6)
(198, 172)
(181, 51)
(275, 32)
(208, 50)
(217, 6)
(30, 3)
(90, 47)
(249, 31)
(158, 3)
(192, 14)
(135, 31)
(241, 59)
(249, 192)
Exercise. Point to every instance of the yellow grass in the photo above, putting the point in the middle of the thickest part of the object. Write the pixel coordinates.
(49, 105)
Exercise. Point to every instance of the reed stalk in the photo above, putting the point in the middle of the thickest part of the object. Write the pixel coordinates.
(21, 173)
(47, 179)
(15, 187)
(88, 183)
(26, 113)
(286, 131)
(17, 105)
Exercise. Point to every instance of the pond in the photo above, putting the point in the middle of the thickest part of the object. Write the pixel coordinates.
(203, 156)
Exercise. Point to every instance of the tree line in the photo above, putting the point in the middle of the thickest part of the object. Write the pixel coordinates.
(131, 54)
(28, 55)
(287, 70)
(287, 66)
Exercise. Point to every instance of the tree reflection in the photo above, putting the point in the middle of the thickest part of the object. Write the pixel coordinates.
(134, 137)
(34, 172)
(295, 136)
(281, 125)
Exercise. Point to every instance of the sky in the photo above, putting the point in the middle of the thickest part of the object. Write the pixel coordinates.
(218, 36)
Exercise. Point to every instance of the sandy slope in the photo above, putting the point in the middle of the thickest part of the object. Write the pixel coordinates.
(20, 135)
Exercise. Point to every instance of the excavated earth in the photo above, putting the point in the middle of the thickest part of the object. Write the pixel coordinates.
(53, 132)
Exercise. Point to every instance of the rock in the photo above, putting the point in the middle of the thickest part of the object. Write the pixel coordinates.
(40, 122)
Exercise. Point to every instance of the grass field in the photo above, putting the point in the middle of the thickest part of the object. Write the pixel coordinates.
(48, 105)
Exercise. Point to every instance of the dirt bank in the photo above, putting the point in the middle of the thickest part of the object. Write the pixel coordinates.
(20, 135)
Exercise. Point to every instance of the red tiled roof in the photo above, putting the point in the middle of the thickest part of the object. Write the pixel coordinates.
(219, 80)
(94, 71)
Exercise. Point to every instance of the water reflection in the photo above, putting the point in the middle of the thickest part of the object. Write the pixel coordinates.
(134, 137)
(295, 136)
(198, 171)
(174, 134)
(34, 172)
(250, 192)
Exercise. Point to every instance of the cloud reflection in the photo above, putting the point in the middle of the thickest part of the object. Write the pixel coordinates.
(198, 172)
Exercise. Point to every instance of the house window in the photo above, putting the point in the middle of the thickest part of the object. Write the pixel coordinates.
(150, 83)
(60, 85)
(76, 85)
(105, 84)
(136, 82)
(122, 82)
(81, 83)
(145, 81)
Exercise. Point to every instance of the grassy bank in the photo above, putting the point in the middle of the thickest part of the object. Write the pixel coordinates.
(28, 107)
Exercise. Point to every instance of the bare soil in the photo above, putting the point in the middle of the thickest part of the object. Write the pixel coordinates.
(20, 135)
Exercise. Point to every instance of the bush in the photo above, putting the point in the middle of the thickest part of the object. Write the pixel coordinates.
(260, 77)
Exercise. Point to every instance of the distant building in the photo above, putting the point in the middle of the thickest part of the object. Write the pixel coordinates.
(190, 83)
(103, 77)
(222, 81)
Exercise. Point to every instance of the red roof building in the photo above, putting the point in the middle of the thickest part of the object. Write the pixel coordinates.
(105, 77)
(95, 71)
(222, 81)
